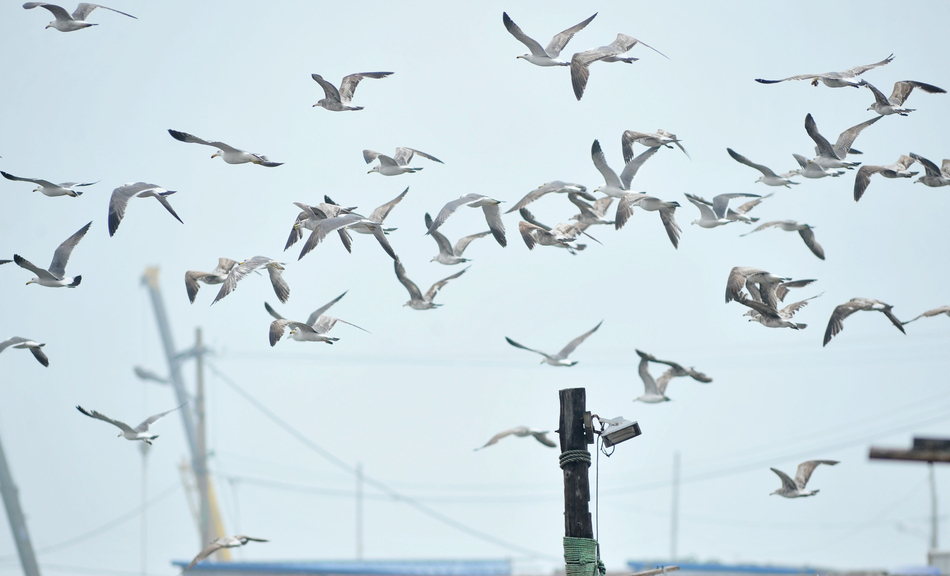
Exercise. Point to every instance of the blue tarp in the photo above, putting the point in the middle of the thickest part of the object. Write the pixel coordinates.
(371, 567)
(637, 565)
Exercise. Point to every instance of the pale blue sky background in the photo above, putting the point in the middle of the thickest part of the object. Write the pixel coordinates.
(411, 399)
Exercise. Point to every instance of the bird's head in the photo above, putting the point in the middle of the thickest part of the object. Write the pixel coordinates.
(30, 282)
(774, 493)
(694, 222)
(50, 25)
(374, 169)
(321, 102)
(217, 153)
(120, 435)
(37, 189)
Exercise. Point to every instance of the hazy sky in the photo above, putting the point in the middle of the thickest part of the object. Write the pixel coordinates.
(412, 399)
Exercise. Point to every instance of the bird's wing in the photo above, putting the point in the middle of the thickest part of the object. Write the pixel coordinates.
(82, 11)
(380, 214)
(464, 241)
(324, 227)
(566, 351)
(903, 89)
(905, 162)
(894, 319)
(414, 291)
(445, 247)
(438, 285)
(242, 537)
(40, 273)
(858, 70)
(163, 200)
(560, 40)
(326, 323)
(528, 41)
(369, 155)
(630, 169)
(581, 61)
(794, 307)
(238, 273)
(628, 139)
(272, 312)
(664, 380)
(743, 160)
(625, 208)
(863, 178)
(802, 161)
(93, 414)
(500, 435)
(523, 347)
(495, 225)
(316, 314)
(185, 137)
(40, 356)
(824, 146)
(542, 436)
(380, 236)
(120, 199)
(349, 83)
(408, 153)
(449, 209)
(836, 322)
(808, 235)
(151, 419)
(945, 168)
(224, 266)
(585, 208)
(58, 266)
(39, 181)
(329, 90)
(649, 384)
(782, 289)
(281, 289)
(387, 161)
(927, 314)
(806, 468)
(530, 219)
(787, 483)
(672, 228)
(760, 307)
(879, 96)
(846, 138)
(721, 202)
(208, 551)
(705, 211)
(736, 281)
(60, 13)
(527, 231)
(11, 341)
(751, 204)
(929, 167)
(277, 327)
(600, 162)
(531, 197)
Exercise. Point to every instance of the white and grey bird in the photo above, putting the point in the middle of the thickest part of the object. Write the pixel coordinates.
(228, 153)
(676, 370)
(811, 169)
(555, 186)
(237, 273)
(771, 317)
(836, 322)
(355, 222)
(894, 104)
(216, 276)
(591, 214)
(122, 195)
(650, 204)
(834, 79)
(522, 432)
(899, 169)
(66, 22)
(315, 329)
(396, 164)
(449, 254)
(715, 213)
(656, 139)
(581, 61)
(829, 156)
(310, 216)
(55, 276)
(804, 230)
(559, 359)
(617, 186)
(418, 300)
(933, 176)
(796, 488)
(738, 214)
(761, 285)
(544, 56)
(32, 345)
(768, 177)
(47, 188)
(651, 389)
(931, 313)
(339, 100)
(219, 543)
(140, 432)
(488, 205)
(561, 236)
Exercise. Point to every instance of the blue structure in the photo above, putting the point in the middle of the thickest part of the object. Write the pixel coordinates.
(355, 568)
(709, 568)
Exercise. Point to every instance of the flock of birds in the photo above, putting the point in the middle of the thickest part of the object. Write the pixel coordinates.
(761, 292)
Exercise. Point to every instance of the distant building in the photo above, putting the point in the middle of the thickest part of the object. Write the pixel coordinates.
(707, 568)
(353, 568)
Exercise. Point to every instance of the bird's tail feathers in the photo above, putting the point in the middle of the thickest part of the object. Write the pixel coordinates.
(75, 281)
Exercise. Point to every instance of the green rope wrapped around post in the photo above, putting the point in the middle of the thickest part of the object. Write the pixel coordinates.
(582, 557)
(574, 456)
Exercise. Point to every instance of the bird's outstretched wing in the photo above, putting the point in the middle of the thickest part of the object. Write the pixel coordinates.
(151, 419)
(98, 416)
(565, 352)
(58, 266)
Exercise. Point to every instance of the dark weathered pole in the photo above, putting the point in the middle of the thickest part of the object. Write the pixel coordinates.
(11, 500)
(577, 521)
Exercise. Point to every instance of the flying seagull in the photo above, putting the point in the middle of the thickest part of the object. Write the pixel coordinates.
(650, 204)
(228, 153)
(591, 214)
(488, 205)
(418, 301)
(933, 176)
(219, 543)
(768, 177)
(68, 23)
(894, 104)
(449, 254)
(561, 236)
(617, 186)
(55, 276)
(47, 188)
(836, 322)
(804, 230)
(739, 214)
(396, 164)
(522, 432)
(122, 195)
(238, 272)
(659, 138)
(748, 277)
(315, 329)
(898, 169)
(770, 317)
(796, 488)
(714, 214)
(32, 345)
(811, 169)
(559, 359)
(357, 223)
(339, 100)
(548, 187)
(651, 390)
(929, 313)
(581, 61)
(834, 79)
(544, 56)
(310, 216)
(833, 156)
(217, 276)
(140, 432)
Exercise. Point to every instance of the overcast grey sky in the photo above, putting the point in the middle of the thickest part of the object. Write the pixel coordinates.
(412, 399)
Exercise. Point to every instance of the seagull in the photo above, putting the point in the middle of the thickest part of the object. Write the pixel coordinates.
(804, 230)
(833, 156)
(715, 216)
(613, 185)
(902, 90)
(836, 322)
(449, 254)
(315, 329)
(544, 56)
(310, 216)
(355, 222)
(140, 432)
(834, 79)
(339, 101)
(933, 176)
(398, 163)
(122, 194)
(219, 543)
(677, 371)
(47, 188)
(553, 186)
(55, 277)
(746, 276)
(929, 313)
(238, 272)
(417, 300)
(581, 61)
(229, 154)
(522, 432)
(651, 390)
(768, 177)
(796, 488)
(217, 276)
(561, 236)
(650, 204)
(898, 169)
(559, 359)
(368, 225)
(32, 345)
(770, 317)
(659, 138)
(68, 23)
(591, 214)
(811, 169)
(488, 205)
(739, 214)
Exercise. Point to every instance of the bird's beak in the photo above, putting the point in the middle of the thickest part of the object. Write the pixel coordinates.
(314, 106)
(30, 282)
(369, 172)
(215, 155)
(48, 25)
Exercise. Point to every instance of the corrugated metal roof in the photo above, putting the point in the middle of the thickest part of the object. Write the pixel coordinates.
(368, 567)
